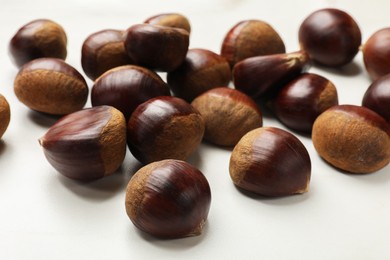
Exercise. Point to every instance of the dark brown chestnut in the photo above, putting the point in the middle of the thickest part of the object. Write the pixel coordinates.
(87, 144)
(175, 20)
(377, 97)
(164, 128)
(302, 100)
(228, 114)
(51, 86)
(157, 47)
(126, 87)
(352, 138)
(330, 36)
(201, 70)
(38, 39)
(5, 115)
(258, 75)
(168, 199)
(271, 162)
(103, 50)
(376, 54)
(251, 38)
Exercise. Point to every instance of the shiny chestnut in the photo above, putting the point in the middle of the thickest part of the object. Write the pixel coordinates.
(330, 36)
(302, 100)
(201, 70)
(262, 75)
(164, 128)
(5, 115)
(352, 138)
(103, 50)
(38, 39)
(87, 144)
(228, 114)
(157, 47)
(168, 199)
(377, 97)
(175, 20)
(376, 54)
(51, 86)
(250, 38)
(270, 162)
(126, 87)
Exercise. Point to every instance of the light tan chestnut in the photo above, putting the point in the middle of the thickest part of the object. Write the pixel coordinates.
(168, 199)
(271, 162)
(228, 113)
(51, 86)
(87, 144)
(352, 138)
(5, 115)
(175, 20)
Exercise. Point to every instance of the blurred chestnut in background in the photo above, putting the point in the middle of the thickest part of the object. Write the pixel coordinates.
(330, 36)
(126, 87)
(5, 115)
(377, 97)
(228, 113)
(376, 54)
(38, 39)
(250, 38)
(201, 70)
(157, 47)
(175, 20)
(103, 50)
(302, 100)
(164, 128)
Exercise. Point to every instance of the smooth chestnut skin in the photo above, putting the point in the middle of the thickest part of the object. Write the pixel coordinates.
(157, 47)
(201, 70)
(5, 115)
(258, 75)
(377, 97)
(352, 138)
(38, 39)
(168, 199)
(87, 144)
(175, 20)
(250, 38)
(51, 86)
(102, 51)
(126, 87)
(301, 101)
(270, 162)
(330, 36)
(376, 54)
(228, 114)
(164, 128)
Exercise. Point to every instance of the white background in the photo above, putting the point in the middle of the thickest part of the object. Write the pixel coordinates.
(46, 216)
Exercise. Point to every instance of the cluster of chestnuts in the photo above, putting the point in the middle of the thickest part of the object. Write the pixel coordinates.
(163, 122)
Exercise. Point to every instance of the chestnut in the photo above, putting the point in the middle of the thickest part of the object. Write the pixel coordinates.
(157, 47)
(228, 114)
(376, 54)
(201, 70)
(377, 97)
(352, 138)
(87, 144)
(175, 20)
(250, 38)
(103, 50)
(5, 115)
(330, 36)
(51, 86)
(38, 39)
(168, 199)
(262, 75)
(164, 128)
(270, 161)
(302, 100)
(126, 87)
